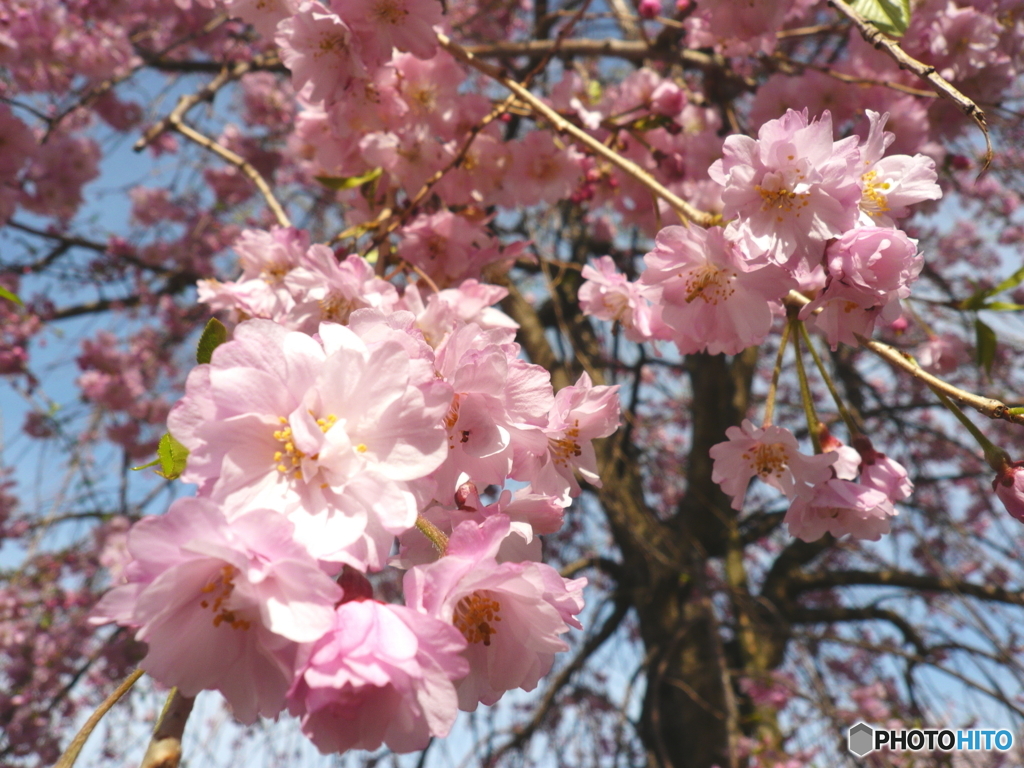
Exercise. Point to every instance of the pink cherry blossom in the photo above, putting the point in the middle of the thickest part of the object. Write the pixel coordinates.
(890, 184)
(943, 353)
(328, 290)
(444, 311)
(840, 507)
(330, 433)
(511, 614)
(530, 515)
(318, 47)
(446, 246)
(385, 24)
(500, 406)
(710, 296)
(772, 454)
(792, 188)
(543, 173)
(880, 472)
(607, 295)
(581, 413)
(221, 604)
(264, 15)
(869, 270)
(381, 674)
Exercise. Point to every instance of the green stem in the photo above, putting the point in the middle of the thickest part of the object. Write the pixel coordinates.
(805, 394)
(769, 405)
(844, 413)
(996, 457)
(432, 532)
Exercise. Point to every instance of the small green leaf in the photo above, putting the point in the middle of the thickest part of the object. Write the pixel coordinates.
(977, 300)
(890, 16)
(1003, 306)
(348, 182)
(5, 294)
(172, 456)
(650, 122)
(214, 334)
(986, 345)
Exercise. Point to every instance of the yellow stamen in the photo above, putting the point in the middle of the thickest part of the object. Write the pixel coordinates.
(474, 616)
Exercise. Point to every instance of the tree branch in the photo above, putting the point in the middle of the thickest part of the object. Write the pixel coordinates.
(563, 126)
(164, 750)
(987, 406)
(925, 71)
(806, 582)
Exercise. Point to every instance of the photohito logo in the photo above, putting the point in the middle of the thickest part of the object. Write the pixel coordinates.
(862, 739)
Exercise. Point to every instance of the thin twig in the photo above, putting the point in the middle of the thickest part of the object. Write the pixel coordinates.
(632, 50)
(236, 160)
(185, 103)
(563, 126)
(987, 406)
(71, 753)
(925, 71)
(793, 67)
(175, 121)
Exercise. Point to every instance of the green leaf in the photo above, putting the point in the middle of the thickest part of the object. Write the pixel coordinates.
(977, 300)
(1003, 306)
(5, 294)
(172, 456)
(348, 182)
(986, 345)
(214, 334)
(890, 16)
(649, 122)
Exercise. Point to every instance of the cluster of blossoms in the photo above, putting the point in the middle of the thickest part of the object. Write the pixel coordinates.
(805, 213)
(316, 445)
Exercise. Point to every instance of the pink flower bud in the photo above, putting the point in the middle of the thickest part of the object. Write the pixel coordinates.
(1009, 487)
(648, 9)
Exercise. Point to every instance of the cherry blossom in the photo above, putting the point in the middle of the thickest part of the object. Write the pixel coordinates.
(770, 453)
(510, 614)
(792, 188)
(890, 184)
(276, 420)
(315, 41)
(608, 295)
(380, 674)
(840, 507)
(581, 413)
(221, 603)
(710, 296)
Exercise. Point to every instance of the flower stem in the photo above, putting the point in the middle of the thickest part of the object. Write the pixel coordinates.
(769, 404)
(71, 753)
(996, 457)
(432, 532)
(844, 413)
(805, 393)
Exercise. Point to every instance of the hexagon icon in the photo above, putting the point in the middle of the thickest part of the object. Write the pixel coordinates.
(860, 739)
